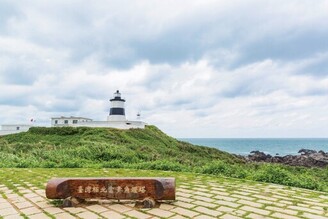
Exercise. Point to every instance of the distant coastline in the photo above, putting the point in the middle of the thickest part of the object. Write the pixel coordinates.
(272, 146)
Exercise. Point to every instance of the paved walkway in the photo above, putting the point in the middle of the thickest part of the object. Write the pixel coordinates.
(203, 197)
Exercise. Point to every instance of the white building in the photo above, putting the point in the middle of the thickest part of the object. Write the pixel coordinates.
(65, 121)
(14, 128)
(115, 119)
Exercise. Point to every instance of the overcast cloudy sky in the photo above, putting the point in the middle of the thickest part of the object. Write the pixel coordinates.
(196, 68)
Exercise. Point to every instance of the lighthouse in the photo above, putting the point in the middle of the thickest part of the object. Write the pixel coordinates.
(117, 110)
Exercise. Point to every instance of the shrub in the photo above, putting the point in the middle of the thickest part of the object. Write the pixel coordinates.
(224, 169)
(161, 165)
(274, 174)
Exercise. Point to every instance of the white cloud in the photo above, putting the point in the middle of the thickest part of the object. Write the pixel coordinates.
(202, 69)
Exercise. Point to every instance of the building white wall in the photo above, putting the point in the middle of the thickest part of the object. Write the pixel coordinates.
(14, 128)
(106, 124)
(58, 121)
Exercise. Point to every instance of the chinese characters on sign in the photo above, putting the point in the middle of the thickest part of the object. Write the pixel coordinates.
(111, 189)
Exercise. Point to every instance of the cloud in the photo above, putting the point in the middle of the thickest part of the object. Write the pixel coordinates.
(206, 68)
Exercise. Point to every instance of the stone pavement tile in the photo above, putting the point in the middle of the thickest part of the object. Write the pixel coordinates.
(165, 206)
(303, 205)
(227, 203)
(64, 215)
(220, 193)
(271, 203)
(255, 210)
(184, 204)
(36, 199)
(8, 211)
(188, 200)
(229, 216)
(205, 199)
(119, 208)
(285, 216)
(282, 197)
(184, 186)
(204, 217)
(286, 202)
(201, 189)
(97, 208)
(24, 191)
(185, 212)
(112, 215)
(137, 214)
(242, 193)
(21, 205)
(53, 210)
(2, 200)
(318, 204)
(41, 192)
(203, 194)
(30, 210)
(30, 195)
(250, 190)
(38, 216)
(312, 216)
(9, 192)
(306, 209)
(17, 200)
(207, 211)
(14, 216)
(239, 212)
(161, 213)
(250, 203)
(184, 190)
(177, 217)
(243, 197)
(201, 186)
(75, 210)
(12, 196)
(303, 198)
(186, 195)
(225, 209)
(256, 216)
(205, 204)
(261, 197)
(218, 188)
(5, 205)
(282, 210)
(226, 198)
(44, 204)
(87, 215)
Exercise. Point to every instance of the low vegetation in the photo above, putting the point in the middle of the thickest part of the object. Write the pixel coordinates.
(148, 148)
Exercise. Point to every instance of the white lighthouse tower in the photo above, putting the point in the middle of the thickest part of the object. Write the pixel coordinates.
(117, 110)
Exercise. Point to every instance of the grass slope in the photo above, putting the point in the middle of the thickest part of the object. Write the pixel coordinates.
(148, 148)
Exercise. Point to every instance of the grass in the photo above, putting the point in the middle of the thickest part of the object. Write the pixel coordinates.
(140, 149)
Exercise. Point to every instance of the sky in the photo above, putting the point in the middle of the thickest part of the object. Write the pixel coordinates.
(196, 68)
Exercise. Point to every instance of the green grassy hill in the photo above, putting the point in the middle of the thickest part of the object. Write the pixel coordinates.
(147, 148)
(104, 147)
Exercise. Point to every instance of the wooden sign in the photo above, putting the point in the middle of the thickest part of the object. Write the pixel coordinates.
(112, 188)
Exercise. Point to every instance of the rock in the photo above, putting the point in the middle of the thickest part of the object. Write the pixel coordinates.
(306, 151)
(258, 156)
(307, 158)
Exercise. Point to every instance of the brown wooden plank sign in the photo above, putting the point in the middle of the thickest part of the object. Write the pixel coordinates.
(76, 190)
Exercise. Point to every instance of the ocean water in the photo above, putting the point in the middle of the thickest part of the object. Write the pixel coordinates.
(273, 146)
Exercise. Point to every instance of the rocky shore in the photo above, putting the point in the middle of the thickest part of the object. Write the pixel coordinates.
(306, 158)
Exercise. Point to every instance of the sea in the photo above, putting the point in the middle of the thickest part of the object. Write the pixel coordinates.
(272, 146)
